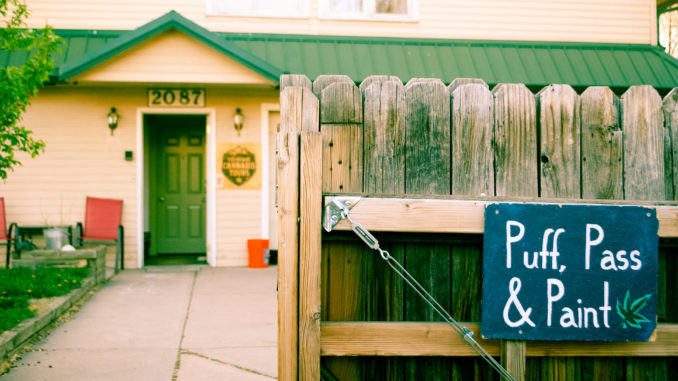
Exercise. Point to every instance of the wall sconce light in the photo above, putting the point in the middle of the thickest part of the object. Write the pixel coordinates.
(238, 119)
(112, 119)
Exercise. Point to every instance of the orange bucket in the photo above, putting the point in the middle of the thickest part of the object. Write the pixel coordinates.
(255, 248)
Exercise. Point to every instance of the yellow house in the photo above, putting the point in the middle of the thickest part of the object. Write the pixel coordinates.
(195, 86)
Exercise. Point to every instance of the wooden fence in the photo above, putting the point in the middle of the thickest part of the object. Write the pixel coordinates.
(425, 158)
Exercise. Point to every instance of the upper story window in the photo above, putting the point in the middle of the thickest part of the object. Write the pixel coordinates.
(387, 10)
(259, 8)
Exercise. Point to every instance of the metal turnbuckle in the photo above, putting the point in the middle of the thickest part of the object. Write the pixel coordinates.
(339, 209)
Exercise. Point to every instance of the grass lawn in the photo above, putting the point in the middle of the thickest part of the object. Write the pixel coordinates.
(19, 286)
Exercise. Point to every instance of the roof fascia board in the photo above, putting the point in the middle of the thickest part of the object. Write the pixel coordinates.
(171, 20)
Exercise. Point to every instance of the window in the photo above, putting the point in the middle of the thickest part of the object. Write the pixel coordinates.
(396, 10)
(259, 8)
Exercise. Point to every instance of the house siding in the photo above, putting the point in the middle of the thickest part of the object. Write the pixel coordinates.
(82, 159)
(625, 21)
(172, 57)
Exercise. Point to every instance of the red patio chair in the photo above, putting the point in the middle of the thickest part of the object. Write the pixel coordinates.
(6, 233)
(103, 217)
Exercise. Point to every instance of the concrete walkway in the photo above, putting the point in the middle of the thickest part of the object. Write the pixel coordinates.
(165, 323)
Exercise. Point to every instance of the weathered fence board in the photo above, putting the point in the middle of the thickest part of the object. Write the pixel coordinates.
(294, 81)
(342, 157)
(602, 166)
(515, 136)
(671, 125)
(558, 107)
(643, 126)
(384, 172)
(472, 110)
(427, 171)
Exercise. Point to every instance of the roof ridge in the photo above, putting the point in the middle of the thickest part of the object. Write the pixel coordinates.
(170, 20)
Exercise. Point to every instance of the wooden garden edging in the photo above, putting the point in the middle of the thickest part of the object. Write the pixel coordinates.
(426, 159)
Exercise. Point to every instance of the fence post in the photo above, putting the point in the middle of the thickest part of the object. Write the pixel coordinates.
(297, 111)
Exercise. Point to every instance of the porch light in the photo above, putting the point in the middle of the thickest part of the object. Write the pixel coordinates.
(238, 119)
(112, 119)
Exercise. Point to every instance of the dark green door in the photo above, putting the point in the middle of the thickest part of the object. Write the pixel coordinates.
(177, 184)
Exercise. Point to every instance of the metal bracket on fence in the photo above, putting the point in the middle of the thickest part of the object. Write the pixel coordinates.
(338, 209)
(335, 208)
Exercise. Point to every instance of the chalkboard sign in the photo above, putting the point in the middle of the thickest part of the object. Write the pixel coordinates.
(569, 272)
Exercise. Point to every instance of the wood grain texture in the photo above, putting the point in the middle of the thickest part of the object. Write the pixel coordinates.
(558, 108)
(601, 145)
(309, 256)
(288, 235)
(515, 135)
(322, 81)
(341, 102)
(472, 130)
(466, 81)
(294, 80)
(342, 167)
(367, 82)
(384, 137)
(427, 172)
(671, 127)
(384, 172)
(399, 339)
(464, 216)
(427, 134)
(353, 338)
(643, 126)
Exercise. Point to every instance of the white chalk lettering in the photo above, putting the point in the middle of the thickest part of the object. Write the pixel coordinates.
(582, 316)
(590, 242)
(512, 239)
(553, 298)
(637, 264)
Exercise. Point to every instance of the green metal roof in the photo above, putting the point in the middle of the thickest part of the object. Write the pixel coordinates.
(533, 63)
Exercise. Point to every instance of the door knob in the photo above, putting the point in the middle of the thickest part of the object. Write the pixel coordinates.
(161, 198)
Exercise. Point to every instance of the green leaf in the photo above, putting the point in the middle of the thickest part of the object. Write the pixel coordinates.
(629, 310)
(19, 84)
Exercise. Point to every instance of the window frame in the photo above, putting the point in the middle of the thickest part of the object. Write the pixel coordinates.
(303, 12)
(369, 12)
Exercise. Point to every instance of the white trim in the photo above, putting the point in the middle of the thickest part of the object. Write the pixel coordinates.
(266, 109)
(210, 152)
(368, 13)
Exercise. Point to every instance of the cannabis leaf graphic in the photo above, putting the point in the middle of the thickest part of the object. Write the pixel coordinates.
(629, 311)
